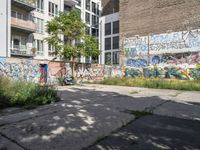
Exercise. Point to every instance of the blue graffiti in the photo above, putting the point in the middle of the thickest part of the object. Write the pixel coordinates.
(138, 63)
(156, 60)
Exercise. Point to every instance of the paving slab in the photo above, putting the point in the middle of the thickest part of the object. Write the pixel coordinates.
(6, 144)
(154, 133)
(179, 110)
(88, 113)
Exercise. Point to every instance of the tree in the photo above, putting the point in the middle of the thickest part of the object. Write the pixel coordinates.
(68, 39)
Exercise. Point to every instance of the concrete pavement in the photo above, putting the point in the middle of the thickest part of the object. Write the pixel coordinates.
(88, 113)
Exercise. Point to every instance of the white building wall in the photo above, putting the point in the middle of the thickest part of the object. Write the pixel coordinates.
(5, 31)
(5, 28)
(102, 21)
(46, 17)
(83, 10)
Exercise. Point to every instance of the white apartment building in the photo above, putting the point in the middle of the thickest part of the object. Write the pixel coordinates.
(109, 39)
(23, 24)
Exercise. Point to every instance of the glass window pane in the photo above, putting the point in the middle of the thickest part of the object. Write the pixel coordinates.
(108, 58)
(107, 43)
(116, 42)
(115, 27)
(107, 28)
(116, 57)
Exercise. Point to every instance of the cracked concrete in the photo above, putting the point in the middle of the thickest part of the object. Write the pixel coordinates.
(88, 113)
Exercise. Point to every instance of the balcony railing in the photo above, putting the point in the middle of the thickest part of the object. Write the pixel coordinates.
(21, 51)
(71, 2)
(23, 24)
(28, 5)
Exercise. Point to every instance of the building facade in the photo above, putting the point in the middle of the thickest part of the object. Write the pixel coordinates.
(163, 33)
(24, 24)
(109, 33)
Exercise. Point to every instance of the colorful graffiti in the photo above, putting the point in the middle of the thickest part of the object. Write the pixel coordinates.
(179, 58)
(44, 76)
(33, 71)
(175, 42)
(89, 72)
(175, 55)
(21, 70)
(166, 72)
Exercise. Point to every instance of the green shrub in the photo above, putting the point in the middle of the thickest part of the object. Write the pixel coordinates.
(153, 83)
(21, 93)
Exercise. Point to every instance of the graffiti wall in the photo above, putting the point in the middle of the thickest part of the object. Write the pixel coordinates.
(20, 69)
(169, 55)
(163, 49)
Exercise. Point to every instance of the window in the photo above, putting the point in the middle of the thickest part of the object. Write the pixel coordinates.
(19, 15)
(50, 50)
(39, 25)
(95, 32)
(67, 8)
(40, 6)
(87, 18)
(94, 9)
(18, 42)
(107, 43)
(98, 12)
(23, 42)
(53, 9)
(39, 46)
(13, 14)
(94, 20)
(115, 42)
(108, 58)
(107, 28)
(87, 5)
(79, 2)
(116, 57)
(87, 30)
(115, 27)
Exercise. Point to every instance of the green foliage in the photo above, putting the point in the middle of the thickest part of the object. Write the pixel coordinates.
(21, 93)
(61, 81)
(75, 43)
(153, 83)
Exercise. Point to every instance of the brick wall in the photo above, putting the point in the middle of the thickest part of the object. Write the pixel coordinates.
(143, 17)
(110, 6)
(150, 17)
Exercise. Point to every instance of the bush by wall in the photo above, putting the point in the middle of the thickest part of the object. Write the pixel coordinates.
(153, 83)
(21, 93)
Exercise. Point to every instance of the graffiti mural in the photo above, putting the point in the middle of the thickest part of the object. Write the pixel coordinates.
(175, 42)
(44, 76)
(178, 58)
(89, 72)
(21, 70)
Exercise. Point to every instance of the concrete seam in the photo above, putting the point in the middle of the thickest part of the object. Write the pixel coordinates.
(13, 141)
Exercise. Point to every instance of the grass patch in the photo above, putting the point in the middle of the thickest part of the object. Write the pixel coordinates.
(187, 85)
(134, 92)
(21, 93)
(139, 114)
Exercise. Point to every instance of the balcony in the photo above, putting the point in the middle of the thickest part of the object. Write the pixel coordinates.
(28, 5)
(23, 51)
(70, 2)
(24, 25)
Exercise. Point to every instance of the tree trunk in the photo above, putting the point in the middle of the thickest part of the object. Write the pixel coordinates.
(73, 67)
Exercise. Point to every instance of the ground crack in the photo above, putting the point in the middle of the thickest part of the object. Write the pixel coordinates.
(13, 141)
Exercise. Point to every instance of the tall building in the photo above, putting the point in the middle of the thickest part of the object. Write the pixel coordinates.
(24, 22)
(109, 32)
(90, 13)
(160, 32)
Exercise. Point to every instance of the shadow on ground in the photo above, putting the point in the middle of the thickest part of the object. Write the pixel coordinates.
(154, 132)
(85, 116)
